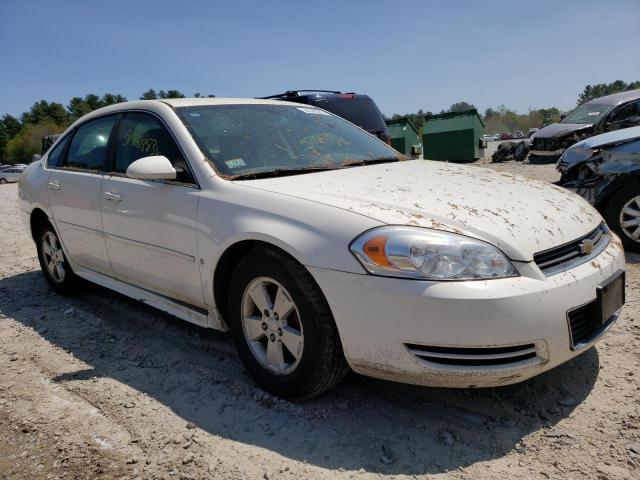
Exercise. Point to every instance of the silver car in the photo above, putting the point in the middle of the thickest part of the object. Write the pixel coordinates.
(9, 175)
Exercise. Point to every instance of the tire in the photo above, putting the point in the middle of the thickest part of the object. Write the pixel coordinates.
(628, 196)
(320, 364)
(520, 152)
(66, 283)
(3, 181)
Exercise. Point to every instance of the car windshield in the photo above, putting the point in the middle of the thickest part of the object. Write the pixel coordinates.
(587, 113)
(259, 140)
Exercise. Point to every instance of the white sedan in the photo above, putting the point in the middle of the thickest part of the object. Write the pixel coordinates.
(320, 248)
(11, 174)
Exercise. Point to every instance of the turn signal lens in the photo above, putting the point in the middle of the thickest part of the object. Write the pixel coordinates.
(374, 249)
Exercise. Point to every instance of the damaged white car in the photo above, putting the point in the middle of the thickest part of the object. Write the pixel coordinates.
(320, 247)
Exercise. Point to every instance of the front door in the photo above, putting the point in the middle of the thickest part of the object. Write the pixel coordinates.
(150, 226)
(75, 192)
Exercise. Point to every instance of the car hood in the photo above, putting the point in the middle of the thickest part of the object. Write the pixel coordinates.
(518, 215)
(625, 141)
(560, 129)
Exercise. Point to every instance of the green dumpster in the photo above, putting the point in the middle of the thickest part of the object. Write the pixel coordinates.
(405, 137)
(455, 136)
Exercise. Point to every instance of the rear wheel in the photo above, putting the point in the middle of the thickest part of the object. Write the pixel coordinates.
(3, 180)
(623, 216)
(54, 264)
(282, 326)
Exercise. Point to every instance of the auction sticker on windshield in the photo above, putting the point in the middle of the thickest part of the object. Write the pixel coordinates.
(235, 163)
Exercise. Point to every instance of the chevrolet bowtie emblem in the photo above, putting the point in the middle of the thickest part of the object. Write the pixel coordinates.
(586, 247)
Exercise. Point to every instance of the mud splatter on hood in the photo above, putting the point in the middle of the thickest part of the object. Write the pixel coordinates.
(519, 215)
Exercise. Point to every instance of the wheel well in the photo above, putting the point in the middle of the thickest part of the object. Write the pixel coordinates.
(227, 263)
(38, 217)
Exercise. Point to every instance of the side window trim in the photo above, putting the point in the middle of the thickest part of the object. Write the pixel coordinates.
(112, 145)
(63, 155)
(111, 170)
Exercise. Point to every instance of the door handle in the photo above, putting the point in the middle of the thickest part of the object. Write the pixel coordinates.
(114, 197)
(54, 186)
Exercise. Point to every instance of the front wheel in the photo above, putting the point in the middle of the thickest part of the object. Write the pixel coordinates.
(282, 326)
(623, 216)
(3, 181)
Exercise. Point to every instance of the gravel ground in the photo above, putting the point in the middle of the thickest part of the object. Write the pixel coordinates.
(98, 386)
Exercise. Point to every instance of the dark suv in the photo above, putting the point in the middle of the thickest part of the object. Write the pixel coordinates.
(600, 115)
(358, 109)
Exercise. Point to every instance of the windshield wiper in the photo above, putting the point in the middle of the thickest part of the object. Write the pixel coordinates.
(281, 172)
(371, 161)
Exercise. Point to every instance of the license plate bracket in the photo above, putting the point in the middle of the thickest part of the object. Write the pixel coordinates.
(610, 296)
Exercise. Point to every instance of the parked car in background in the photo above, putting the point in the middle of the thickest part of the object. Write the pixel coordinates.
(12, 174)
(359, 109)
(531, 131)
(518, 134)
(505, 136)
(319, 246)
(605, 170)
(613, 112)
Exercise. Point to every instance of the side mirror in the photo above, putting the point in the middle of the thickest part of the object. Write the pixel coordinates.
(156, 167)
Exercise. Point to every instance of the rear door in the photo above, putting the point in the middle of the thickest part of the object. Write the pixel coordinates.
(75, 192)
(150, 226)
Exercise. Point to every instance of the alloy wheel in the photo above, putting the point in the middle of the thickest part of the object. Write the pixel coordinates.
(53, 256)
(630, 218)
(272, 326)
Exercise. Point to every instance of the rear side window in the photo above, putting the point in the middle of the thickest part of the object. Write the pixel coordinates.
(143, 135)
(359, 111)
(89, 144)
(55, 157)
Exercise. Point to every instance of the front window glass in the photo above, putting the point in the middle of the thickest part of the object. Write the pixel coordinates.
(587, 113)
(143, 135)
(89, 145)
(258, 139)
(627, 112)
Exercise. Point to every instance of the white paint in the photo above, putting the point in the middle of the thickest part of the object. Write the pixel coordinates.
(160, 243)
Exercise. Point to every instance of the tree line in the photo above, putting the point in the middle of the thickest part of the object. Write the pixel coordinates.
(21, 137)
(503, 119)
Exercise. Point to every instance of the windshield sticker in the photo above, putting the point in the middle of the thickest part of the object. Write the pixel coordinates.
(194, 114)
(313, 111)
(593, 113)
(235, 163)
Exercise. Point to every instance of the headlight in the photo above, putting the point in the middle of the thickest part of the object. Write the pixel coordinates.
(412, 252)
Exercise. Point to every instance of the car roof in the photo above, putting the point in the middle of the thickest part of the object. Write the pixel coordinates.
(192, 102)
(162, 104)
(617, 98)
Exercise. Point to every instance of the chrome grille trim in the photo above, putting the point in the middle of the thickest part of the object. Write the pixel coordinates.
(570, 255)
(475, 356)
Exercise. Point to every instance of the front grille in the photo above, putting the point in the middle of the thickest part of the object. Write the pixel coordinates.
(583, 324)
(573, 253)
(473, 356)
(544, 144)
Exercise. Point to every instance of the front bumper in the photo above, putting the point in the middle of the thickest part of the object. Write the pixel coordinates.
(383, 321)
(547, 153)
